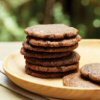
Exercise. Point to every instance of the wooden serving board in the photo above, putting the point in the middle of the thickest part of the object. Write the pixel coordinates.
(89, 51)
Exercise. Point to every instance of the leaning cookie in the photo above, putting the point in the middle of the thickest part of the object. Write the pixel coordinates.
(43, 55)
(75, 80)
(73, 58)
(28, 46)
(91, 71)
(59, 43)
(53, 69)
(51, 31)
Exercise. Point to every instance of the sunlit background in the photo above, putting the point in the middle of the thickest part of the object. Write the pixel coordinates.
(15, 15)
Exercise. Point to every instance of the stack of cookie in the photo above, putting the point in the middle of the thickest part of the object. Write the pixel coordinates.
(48, 50)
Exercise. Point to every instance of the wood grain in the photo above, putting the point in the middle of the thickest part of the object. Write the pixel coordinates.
(89, 51)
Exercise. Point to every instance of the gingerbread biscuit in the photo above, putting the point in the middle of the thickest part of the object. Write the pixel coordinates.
(59, 43)
(73, 58)
(29, 53)
(53, 69)
(75, 80)
(91, 71)
(51, 31)
(26, 45)
(45, 74)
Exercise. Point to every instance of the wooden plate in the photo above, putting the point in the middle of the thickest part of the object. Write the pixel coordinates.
(14, 68)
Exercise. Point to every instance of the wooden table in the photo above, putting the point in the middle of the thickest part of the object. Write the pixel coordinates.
(5, 49)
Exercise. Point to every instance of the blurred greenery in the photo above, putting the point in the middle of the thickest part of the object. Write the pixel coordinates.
(16, 15)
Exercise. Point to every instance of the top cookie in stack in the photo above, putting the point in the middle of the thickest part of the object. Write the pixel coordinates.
(48, 50)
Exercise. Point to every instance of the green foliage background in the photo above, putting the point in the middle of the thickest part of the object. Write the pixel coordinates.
(16, 15)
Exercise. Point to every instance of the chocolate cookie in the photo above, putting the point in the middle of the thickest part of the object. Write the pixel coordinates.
(91, 71)
(29, 53)
(44, 74)
(59, 43)
(75, 80)
(51, 31)
(53, 69)
(26, 45)
(73, 58)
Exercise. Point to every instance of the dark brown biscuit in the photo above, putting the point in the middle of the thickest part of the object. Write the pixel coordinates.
(75, 80)
(29, 53)
(53, 69)
(91, 71)
(60, 43)
(51, 31)
(49, 49)
(45, 74)
(73, 58)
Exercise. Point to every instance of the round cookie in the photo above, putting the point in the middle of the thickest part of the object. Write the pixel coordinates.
(91, 71)
(26, 45)
(53, 69)
(75, 80)
(59, 43)
(51, 31)
(29, 53)
(73, 58)
(44, 74)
